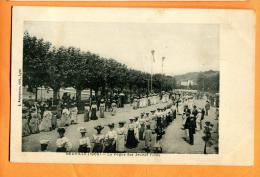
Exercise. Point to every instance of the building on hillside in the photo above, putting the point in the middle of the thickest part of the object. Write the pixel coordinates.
(187, 83)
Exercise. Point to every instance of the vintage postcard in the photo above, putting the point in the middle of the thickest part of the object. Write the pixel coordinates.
(133, 0)
(132, 86)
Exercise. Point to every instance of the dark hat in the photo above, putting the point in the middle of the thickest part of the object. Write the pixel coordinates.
(61, 130)
(187, 112)
(98, 127)
(136, 117)
(147, 113)
(111, 125)
(207, 123)
(152, 111)
(121, 123)
(33, 109)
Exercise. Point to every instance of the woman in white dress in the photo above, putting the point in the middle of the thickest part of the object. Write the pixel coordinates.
(73, 113)
(65, 117)
(113, 108)
(121, 137)
(46, 123)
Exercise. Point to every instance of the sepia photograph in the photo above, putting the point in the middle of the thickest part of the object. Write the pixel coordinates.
(123, 88)
(115, 86)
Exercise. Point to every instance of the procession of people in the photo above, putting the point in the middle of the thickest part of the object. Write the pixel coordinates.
(147, 128)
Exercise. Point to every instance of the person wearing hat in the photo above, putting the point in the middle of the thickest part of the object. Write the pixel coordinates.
(186, 109)
(207, 107)
(34, 124)
(44, 145)
(147, 118)
(135, 103)
(192, 128)
(86, 112)
(185, 123)
(113, 108)
(137, 127)
(164, 114)
(148, 138)
(110, 139)
(33, 111)
(159, 118)
(157, 134)
(84, 141)
(153, 119)
(25, 126)
(46, 123)
(65, 117)
(73, 113)
(63, 144)
(142, 127)
(131, 141)
(98, 139)
(168, 115)
(217, 113)
(93, 115)
(174, 111)
(199, 120)
(121, 137)
(102, 108)
(194, 110)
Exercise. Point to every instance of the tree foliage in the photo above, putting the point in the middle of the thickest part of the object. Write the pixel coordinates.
(51, 67)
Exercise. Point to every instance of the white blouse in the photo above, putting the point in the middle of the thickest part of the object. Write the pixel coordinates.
(111, 134)
(85, 141)
(64, 142)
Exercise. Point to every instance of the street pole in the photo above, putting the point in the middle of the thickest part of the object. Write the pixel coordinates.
(152, 52)
(163, 58)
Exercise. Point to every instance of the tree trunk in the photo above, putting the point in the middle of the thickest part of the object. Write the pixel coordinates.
(36, 94)
(103, 90)
(55, 95)
(78, 95)
(90, 96)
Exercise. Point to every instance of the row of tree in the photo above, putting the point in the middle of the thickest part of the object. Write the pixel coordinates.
(55, 68)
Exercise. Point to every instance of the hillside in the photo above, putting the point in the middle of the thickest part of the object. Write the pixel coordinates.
(194, 75)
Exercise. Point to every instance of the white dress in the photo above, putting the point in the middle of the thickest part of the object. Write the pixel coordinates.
(45, 124)
(73, 114)
(120, 141)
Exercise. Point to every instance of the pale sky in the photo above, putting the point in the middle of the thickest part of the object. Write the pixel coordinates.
(187, 47)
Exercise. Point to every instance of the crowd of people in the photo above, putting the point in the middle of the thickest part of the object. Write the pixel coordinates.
(148, 127)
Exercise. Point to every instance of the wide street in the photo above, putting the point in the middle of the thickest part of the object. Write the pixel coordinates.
(173, 140)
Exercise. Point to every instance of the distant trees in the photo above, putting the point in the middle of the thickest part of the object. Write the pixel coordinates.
(208, 83)
(51, 67)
